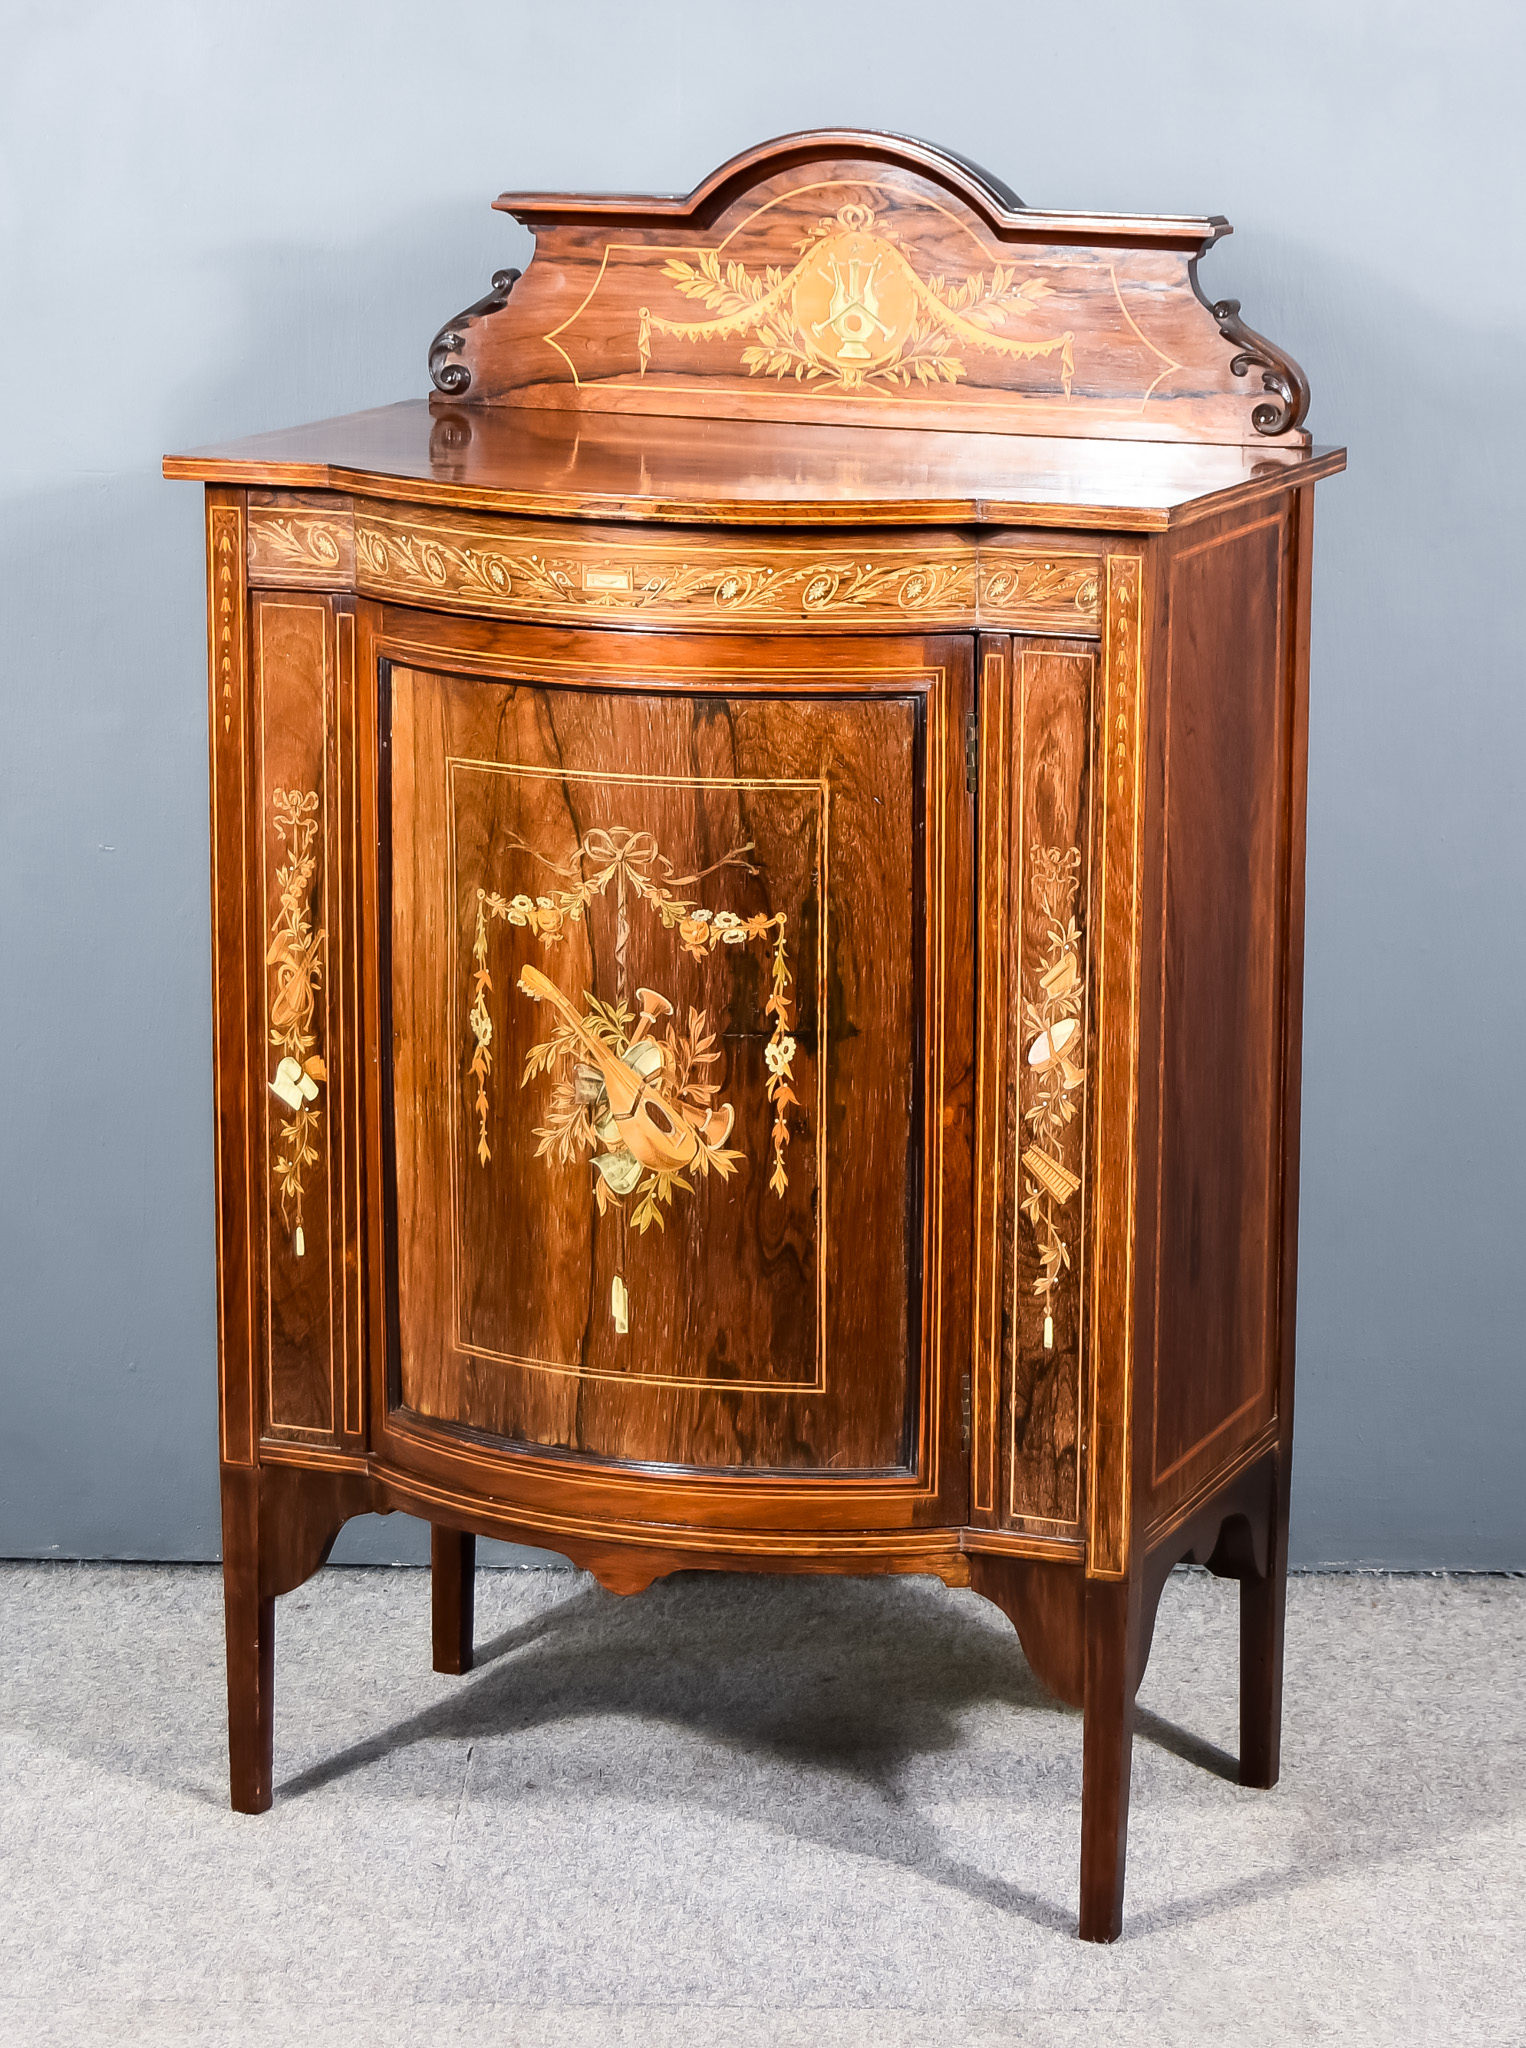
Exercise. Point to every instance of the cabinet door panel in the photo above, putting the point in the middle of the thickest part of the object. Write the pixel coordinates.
(659, 979)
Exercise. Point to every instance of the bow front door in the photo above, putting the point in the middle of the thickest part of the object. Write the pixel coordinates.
(679, 976)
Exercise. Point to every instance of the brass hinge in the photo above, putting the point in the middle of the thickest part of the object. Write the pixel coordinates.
(966, 1419)
(971, 751)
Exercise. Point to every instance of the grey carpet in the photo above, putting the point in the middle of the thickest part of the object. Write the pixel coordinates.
(762, 1812)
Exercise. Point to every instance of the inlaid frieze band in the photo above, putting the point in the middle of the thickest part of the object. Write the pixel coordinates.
(600, 575)
(540, 571)
(294, 545)
(1034, 592)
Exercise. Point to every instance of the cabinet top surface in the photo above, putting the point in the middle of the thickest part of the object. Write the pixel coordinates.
(742, 472)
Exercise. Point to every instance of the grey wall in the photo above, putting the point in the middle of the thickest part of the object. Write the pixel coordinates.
(217, 220)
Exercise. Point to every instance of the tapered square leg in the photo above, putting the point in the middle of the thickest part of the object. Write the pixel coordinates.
(1108, 1750)
(452, 1574)
(251, 1626)
(250, 1621)
(1262, 1606)
(1263, 1611)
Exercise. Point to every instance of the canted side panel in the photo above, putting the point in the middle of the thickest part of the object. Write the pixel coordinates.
(1222, 762)
(306, 1166)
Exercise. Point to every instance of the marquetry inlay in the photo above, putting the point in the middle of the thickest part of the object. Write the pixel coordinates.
(525, 570)
(1117, 1069)
(302, 546)
(1032, 591)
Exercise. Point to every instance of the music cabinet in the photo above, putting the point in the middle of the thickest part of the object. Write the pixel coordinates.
(757, 868)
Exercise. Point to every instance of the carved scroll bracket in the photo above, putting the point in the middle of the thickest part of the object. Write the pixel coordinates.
(1283, 410)
(454, 379)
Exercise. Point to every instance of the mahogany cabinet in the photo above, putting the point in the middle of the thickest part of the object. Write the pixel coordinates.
(757, 866)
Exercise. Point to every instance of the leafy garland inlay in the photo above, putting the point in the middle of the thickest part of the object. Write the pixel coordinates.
(632, 583)
(853, 311)
(1015, 586)
(641, 1103)
(300, 547)
(299, 540)
(1053, 1069)
(296, 954)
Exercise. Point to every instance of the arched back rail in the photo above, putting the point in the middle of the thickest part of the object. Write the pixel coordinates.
(843, 277)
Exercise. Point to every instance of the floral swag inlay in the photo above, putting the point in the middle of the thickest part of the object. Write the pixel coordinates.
(635, 1087)
(853, 311)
